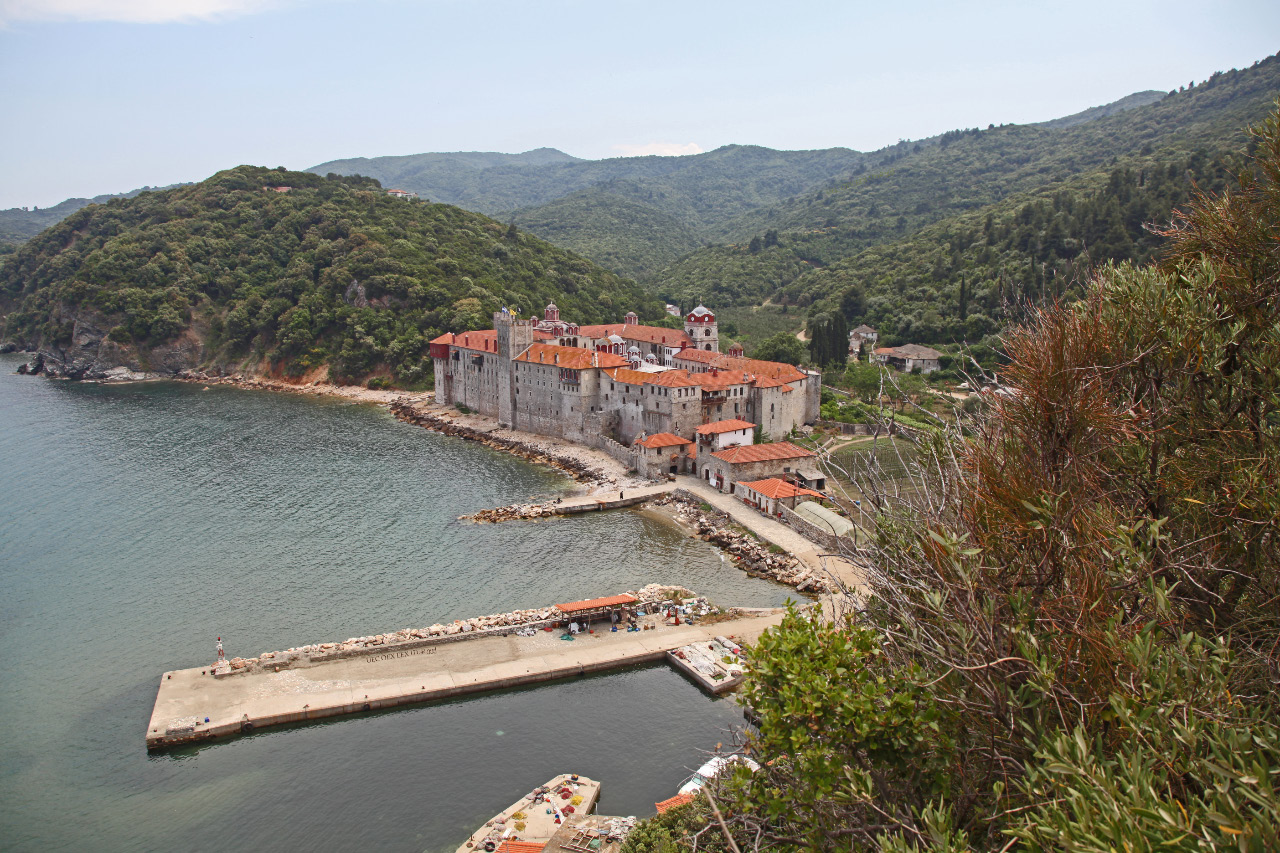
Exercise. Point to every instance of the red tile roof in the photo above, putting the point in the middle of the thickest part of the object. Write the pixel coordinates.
(775, 488)
(725, 426)
(446, 338)
(509, 846)
(665, 378)
(649, 334)
(662, 439)
(675, 379)
(596, 603)
(761, 453)
(775, 369)
(572, 358)
(485, 340)
(677, 800)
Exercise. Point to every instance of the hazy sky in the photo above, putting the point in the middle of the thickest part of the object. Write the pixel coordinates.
(108, 95)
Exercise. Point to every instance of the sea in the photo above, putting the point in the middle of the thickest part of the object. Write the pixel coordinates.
(140, 522)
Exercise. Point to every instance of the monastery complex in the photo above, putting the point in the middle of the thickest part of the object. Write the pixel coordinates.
(658, 397)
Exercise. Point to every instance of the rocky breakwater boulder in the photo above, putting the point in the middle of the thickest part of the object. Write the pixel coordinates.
(578, 470)
(751, 555)
(510, 513)
(405, 638)
(650, 597)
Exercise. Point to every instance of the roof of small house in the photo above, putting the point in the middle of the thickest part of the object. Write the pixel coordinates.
(510, 846)
(775, 488)
(662, 439)
(909, 351)
(672, 802)
(572, 358)
(732, 425)
(864, 329)
(761, 453)
(596, 603)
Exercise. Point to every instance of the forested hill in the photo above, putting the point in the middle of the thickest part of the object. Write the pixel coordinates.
(455, 177)
(704, 187)
(17, 224)
(333, 272)
(780, 253)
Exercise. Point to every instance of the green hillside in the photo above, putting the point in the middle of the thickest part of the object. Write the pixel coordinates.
(970, 275)
(622, 235)
(912, 185)
(334, 273)
(452, 178)
(17, 225)
(701, 188)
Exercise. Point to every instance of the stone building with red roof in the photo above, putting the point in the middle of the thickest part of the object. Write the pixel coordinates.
(615, 383)
(724, 469)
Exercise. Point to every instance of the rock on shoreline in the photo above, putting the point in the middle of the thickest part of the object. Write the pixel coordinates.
(578, 470)
(752, 557)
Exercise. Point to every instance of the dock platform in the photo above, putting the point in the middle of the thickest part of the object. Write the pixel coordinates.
(194, 706)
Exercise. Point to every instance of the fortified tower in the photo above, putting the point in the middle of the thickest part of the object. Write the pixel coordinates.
(514, 337)
(700, 325)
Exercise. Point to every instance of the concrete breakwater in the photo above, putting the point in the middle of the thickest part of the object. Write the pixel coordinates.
(579, 471)
(413, 641)
(191, 706)
(575, 505)
(750, 554)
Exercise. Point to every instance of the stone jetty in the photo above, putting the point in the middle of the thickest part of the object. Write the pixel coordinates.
(194, 705)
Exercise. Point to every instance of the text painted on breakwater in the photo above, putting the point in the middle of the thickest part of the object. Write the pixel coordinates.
(404, 654)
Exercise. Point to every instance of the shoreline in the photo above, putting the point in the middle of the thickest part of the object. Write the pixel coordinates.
(592, 471)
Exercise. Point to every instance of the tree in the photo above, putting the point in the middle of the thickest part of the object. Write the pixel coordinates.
(829, 340)
(1069, 640)
(783, 346)
(755, 246)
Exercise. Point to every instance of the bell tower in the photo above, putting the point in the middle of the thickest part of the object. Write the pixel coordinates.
(700, 325)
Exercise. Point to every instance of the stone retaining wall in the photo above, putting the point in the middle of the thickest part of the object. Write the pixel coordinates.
(617, 451)
(812, 532)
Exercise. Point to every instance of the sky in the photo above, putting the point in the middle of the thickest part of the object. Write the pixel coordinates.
(100, 96)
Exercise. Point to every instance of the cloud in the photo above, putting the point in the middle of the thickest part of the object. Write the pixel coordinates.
(661, 149)
(130, 11)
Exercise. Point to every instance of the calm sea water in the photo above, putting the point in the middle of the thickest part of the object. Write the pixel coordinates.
(140, 522)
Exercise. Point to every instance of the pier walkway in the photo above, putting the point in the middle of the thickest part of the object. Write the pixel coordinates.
(606, 500)
(777, 533)
(241, 703)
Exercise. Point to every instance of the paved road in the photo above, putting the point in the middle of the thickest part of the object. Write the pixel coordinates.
(777, 533)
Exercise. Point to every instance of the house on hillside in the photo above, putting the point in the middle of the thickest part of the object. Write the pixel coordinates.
(402, 194)
(909, 357)
(864, 334)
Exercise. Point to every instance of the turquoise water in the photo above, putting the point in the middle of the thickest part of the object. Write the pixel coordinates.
(142, 521)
